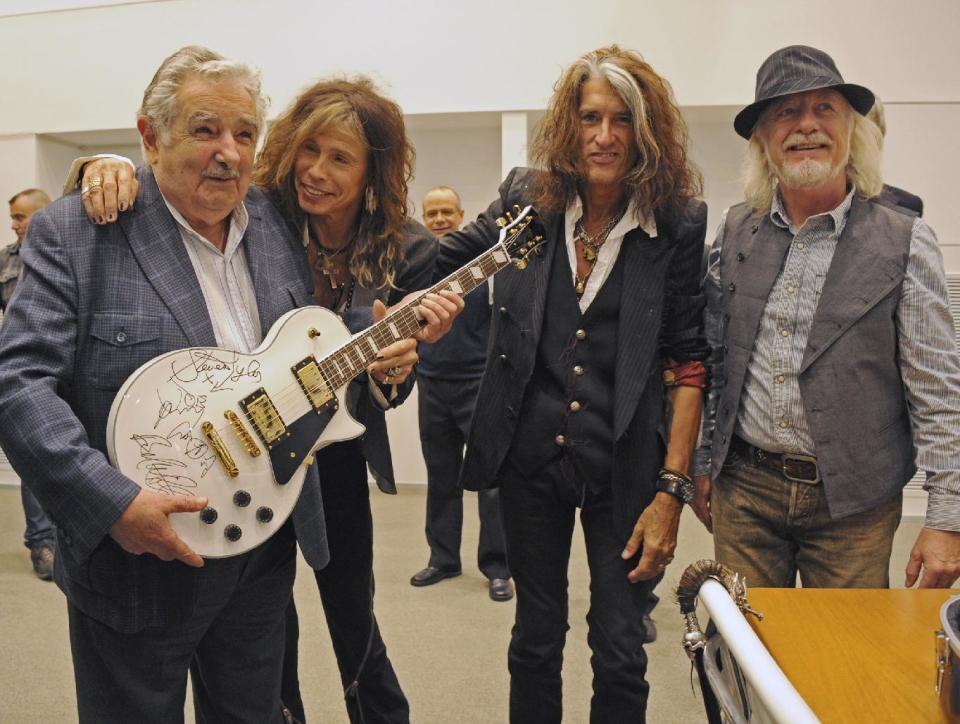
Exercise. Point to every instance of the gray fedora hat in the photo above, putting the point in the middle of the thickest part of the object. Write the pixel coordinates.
(795, 69)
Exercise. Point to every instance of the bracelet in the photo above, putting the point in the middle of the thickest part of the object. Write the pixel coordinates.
(668, 474)
(676, 484)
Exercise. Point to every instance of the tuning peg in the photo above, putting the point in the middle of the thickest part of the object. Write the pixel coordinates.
(517, 209)
(522, 264)
(501, 222)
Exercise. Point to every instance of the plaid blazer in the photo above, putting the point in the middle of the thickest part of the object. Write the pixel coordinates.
(95, 303)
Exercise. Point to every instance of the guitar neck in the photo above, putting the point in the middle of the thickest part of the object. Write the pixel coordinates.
(345, 363)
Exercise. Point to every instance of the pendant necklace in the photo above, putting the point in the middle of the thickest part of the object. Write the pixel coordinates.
(325, 260)
(591, 247)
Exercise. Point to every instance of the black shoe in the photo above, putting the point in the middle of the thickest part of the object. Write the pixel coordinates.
(651, 635)
(501, 589)
(42, 559)
(430, 575)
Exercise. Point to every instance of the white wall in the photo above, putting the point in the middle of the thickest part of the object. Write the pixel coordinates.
(81, 91)
(498, 55)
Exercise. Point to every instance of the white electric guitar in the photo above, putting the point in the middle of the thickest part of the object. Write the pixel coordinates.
(241, 429)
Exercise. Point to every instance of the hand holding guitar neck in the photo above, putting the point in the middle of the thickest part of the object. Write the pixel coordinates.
(436, 309)
(395, 361)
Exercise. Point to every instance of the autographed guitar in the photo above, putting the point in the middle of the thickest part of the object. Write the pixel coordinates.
(241, 429)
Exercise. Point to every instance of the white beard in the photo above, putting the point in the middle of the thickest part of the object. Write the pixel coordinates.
(808, 173)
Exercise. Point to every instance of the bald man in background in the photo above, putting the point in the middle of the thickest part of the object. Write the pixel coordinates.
(39, 534)
(448, 377)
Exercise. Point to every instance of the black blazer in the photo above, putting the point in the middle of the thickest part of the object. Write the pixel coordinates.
(660, 316)
(414, 272)
(897, 198)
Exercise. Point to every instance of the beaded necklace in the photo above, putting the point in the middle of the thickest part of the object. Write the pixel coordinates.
(591, 247)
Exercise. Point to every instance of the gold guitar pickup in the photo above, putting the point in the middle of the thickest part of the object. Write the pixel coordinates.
(264, 417)
(314, 386)
(219, 449)
(246, 439)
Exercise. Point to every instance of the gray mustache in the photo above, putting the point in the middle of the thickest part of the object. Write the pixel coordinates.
(222, 174)
(798, 139)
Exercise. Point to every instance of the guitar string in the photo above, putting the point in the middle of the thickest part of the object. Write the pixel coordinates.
(293, 394)
(333, 375)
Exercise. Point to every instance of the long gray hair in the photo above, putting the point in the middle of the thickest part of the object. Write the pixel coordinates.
(864, 167)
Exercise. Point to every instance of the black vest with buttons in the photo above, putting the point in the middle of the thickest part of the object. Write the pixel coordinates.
(568, 406)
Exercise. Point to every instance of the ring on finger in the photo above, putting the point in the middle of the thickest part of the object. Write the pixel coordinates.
(94, 183)
(393, 372)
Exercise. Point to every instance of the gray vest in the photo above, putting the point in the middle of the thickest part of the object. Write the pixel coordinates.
(850, 382)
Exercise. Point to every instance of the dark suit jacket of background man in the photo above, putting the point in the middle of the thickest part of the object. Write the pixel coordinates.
(645, 320)
(104, 300)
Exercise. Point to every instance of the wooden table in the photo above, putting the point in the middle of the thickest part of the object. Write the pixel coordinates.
(855, 655)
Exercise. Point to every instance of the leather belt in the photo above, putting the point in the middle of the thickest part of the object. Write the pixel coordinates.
(798, 468)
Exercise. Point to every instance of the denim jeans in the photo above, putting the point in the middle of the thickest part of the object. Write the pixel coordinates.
(39, 529)
(769, 528)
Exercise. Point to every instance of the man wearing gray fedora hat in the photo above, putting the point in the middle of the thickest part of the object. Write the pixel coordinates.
(833, 365)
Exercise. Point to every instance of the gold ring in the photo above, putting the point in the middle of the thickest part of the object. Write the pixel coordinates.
(95, 183)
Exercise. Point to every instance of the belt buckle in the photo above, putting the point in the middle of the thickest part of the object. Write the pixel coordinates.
(810, 460)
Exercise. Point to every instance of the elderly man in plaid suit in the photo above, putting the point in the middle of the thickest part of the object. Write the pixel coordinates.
(201, 261)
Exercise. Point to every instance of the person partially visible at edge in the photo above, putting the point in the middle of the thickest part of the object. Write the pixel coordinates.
(38, 536)
(448, 379)
(335, 165)
(592, 392)
(826, 397)
(892, 195)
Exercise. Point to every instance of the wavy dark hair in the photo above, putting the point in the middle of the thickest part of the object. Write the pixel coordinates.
(663, 179)
(354, 104)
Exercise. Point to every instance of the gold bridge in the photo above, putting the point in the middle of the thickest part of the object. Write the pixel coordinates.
(246, 439)
(219, 449)
(264, 417)
(314, 386)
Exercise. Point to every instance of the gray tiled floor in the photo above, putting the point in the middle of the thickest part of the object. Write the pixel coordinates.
(448, 642)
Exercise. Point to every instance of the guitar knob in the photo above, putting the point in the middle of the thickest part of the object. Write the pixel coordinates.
(208, 515)
(241, 498)
(232, 533)
(264, 515)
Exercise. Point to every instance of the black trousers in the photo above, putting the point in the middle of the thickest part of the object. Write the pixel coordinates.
(232, 645)
(445, 408)
(371, 689)
(538, 518)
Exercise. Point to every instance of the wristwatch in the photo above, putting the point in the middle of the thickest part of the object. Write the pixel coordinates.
(679, 486)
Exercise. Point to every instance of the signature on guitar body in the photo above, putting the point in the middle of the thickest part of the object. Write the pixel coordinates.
(241, 429)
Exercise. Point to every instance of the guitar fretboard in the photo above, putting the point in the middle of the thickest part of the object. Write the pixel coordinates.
(345, 363)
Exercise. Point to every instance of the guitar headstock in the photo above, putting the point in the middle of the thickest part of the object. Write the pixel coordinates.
(521, 234)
